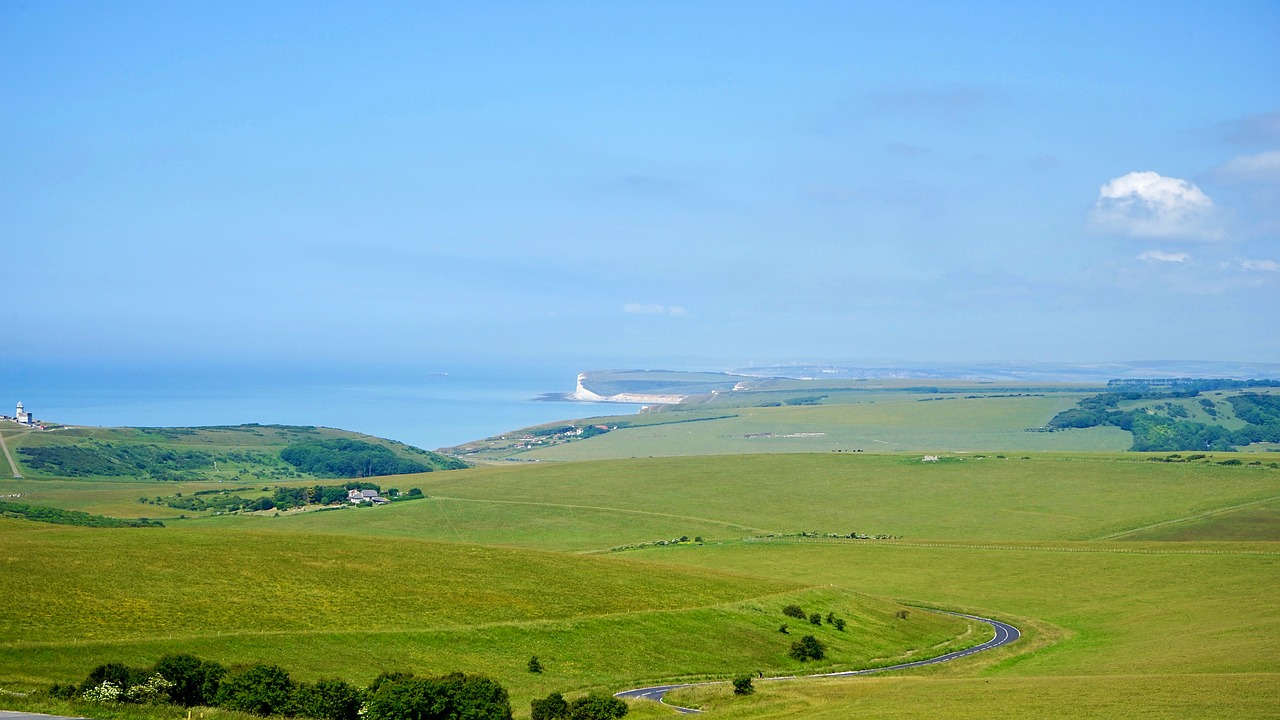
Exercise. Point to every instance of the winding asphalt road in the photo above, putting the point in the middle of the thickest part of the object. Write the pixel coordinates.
(1004, 634)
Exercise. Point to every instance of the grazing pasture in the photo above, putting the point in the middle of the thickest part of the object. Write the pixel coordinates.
(1142, 588)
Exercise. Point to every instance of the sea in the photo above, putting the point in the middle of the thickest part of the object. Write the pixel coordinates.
(430, 407)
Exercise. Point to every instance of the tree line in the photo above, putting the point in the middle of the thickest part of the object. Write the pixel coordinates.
(39, 513)
(268, 690)
(341, 457)
(1154, 432)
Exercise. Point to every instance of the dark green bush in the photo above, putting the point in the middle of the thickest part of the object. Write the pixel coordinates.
(383, 678)
(742, 685)
(552, 707)
(120, 675)
(62, 691)
(808, 648)
(793, 611)
(329, 700)
(259, 689)
(597, 707)
(195, 681)
(444, 698)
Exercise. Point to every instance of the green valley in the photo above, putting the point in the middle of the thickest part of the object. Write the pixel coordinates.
(1129, 579)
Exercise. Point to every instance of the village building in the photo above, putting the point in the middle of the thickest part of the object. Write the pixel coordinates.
(356, 497)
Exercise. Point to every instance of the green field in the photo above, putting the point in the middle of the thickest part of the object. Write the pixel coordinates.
(895, 424)
(353, 607)
(233, 453)
(1174, 616)
(789, 416)
(842, 421)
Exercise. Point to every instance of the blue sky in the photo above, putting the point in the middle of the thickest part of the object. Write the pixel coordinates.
(691, 184)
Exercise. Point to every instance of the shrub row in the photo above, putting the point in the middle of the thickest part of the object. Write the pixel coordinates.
(264, 689)
(590, 707)
(39, 513)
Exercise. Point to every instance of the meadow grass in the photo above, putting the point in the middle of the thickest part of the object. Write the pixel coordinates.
(119, 497)
(541, 525)
(1134, 627)
(1163, 611)
(326, 606)
(62, 581)
(1150, 697)
(900, 422)
(1046, 497)
(590, 652)
(1260, 521)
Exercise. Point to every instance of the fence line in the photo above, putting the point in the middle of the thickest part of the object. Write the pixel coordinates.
(1032, 548)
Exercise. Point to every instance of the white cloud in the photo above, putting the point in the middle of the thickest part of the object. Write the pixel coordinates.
(1262, 167)
(1161, 256)
(654, 309)
(1147, 204)
(1263, 265)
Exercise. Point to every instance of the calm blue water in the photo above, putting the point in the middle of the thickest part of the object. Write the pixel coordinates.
(427, 407)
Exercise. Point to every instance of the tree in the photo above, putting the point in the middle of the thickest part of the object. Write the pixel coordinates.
(815, 619)
(808, 648)
(449, 697)
(119, 675)
(793, 611)
(329, 700)
(195, 681)
(597, 707)
(391, 676)
(552, 707)
(260, 689)
(840, 624)
(534, 665)
(742, 685)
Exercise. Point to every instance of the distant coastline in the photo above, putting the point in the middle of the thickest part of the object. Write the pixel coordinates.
(581, 393)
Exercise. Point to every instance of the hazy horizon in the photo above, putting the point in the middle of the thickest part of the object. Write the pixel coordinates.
(686, 185)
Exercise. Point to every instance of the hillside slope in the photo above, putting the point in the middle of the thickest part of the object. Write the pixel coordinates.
(247, 453)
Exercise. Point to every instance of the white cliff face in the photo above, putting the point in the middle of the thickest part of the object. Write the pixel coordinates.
(581, 393)
(585, 395)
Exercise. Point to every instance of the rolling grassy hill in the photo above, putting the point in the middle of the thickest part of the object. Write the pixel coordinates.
(788, 416)
(1145, 589)
(352, 606)
(234, 453)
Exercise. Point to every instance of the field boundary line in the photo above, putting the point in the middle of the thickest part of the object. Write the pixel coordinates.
(1188, 518)
(628, 511)
(1031, 548)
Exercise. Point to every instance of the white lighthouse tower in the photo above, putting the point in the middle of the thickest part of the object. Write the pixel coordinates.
(23, 416)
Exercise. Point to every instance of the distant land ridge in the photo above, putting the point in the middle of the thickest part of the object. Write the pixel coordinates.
(585, 395)
(652, 387)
